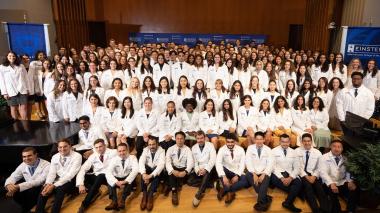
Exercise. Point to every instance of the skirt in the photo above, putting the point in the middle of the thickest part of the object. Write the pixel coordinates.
(322, 138)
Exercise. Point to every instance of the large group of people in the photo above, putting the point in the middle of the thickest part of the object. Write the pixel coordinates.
(229, 113)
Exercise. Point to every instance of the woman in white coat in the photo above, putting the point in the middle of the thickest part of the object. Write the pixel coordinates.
(111, 120)
(319, 118)
(145, 70)
(287, 73)
(189, 118)
(110, 74)
(227, 119)
(301, 118)
(35, 85)
(254, 90)
(200, 94)
(72, 101)
(324, 93)
(208, 122)
(290, 92)
(262, 74)
(218, 95)
(244, 72)
(168, 124)
(265, 121)
(372, 78)
(161, 69)
(164, 94)
(149, 90)
(134, 92)
(131, 71)
(198, 71)
(94, 109)
(339, 69)
(217, 71)
(247, 119)
(93, 88)
(116, 91)
(128, 131)
(271, 94)
(236, 96)
(54, 102)
(183, 91)
(92, 72)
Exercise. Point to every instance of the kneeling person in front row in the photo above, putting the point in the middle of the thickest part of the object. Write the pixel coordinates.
(230, 165)
(25, 183)
(179, 163)
(259, 163)
(151, 164)
(121, 172)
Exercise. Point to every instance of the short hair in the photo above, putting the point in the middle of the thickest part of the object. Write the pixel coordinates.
(231, 136)
(259, 133)
(64, 140)
(99, 140)
(150, 137)
(284, 136)
(180, 133)
(306, 135)
(30, 149)
(357, 73)
(123, 144)
(112, 98)
(84, 118)
(148, 99)
(200, 132)
(336, 141)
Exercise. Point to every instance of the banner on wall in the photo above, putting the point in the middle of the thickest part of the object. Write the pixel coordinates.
(28, 38)
(361, 42)
(192, 39)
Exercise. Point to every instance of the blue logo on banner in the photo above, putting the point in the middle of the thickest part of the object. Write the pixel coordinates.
(362, 43)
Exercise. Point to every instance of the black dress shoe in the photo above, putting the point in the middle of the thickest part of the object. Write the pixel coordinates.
(290, 207)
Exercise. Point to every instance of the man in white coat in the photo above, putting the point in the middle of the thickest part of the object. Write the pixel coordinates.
(91, 182)
(259, 162)
(121, 172)
(151, 164)
(204, 155)
(179, 69)
(61, 177)
(179, 163)
(336, 178)
(357, 99)
(26, 181)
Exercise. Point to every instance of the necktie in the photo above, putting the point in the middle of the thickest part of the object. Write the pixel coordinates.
(122, 162)
(337, 159)
(101, 157)
(63, 160)
(247, 112)
(31, 170)
(307, 160)
(232, 153)
(153, 153)
(86, 134)
(201, 147)
(356, 92)
(147, 115)
(180, 64)
(179, 153)
(259, 151)
(285, 152)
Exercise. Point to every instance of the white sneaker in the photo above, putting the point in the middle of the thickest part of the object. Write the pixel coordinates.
(196, 202)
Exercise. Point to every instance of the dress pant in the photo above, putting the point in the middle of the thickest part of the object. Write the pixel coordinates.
(59, 194)
(242, 182)
(175, 182)
(352, 198)
(126, 191)
(293, 188)
(202, 182)
(167, 144)
(154, 182)
(28, 198)
(94, 183)
(315, 191)
(261, 188)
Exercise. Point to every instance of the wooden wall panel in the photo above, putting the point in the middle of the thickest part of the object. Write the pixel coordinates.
(271, 17)
(71, 23)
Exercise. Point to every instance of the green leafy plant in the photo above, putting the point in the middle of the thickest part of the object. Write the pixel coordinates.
(364, 166)
(3, 102)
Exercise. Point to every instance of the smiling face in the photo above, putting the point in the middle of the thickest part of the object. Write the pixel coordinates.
(29, 157)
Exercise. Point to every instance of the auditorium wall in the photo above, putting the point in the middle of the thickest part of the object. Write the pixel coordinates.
(271, 17)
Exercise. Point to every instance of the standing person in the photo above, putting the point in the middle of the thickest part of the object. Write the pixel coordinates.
(309, 174)
(14, 86)
(151, 164)
(301, 119)
(180, 68)
(199, 94)
(72, 101)
(111, 120)
(25, 183)
(121, 172)
(128, 130)
(372, 78)
(286, 171)
(91, 182)
(61, 177)
(110, 74)
(179, 163)
(204, 156)
(35, 68)
(336, 179)
(54, 102)
(259, 162)
(356, 99)
(335, 85)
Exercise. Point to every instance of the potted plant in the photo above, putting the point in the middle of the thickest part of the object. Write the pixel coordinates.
(364, 167)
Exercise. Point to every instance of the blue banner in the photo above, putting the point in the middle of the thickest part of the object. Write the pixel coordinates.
(26, 38)
(362, 43)
(192, 39)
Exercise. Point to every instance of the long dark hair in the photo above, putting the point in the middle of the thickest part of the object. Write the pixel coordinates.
(261, 105)
(295, 103)
(142, 68)
(152, 86)
(213, 106)
(233, 91)
(159, 89)
(195, 89)
(179, 84)
(275, 104)
(227, 113)
(325, 65)
(175, 111)
(6, 62)
(374, 71)
(230, 69)
(321, 104)
(97, 97)
(79, 89)
(325, 90)
(124, 110)
(333, 65)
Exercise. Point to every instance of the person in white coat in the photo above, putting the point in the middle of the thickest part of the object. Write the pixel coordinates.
(120, 173)
(309, 173)
(204, 156)
(198, 71)
(128, 129)
(200, 94)
(91, 182)
(285, 172)
(247, 119)
(301, 118)
(286, 74)
(134, 92)
(72, 101)
(230, 165)
(179, 163)
(254, 90)
(149, 89)
(94, 109)
(146, 122)
(111, 120)
(290, 92)
(54, 102)
(61, 176)
(337, 179)
(265, 121)
(167, 125)
(116, 91)
(262, 75)
(93, 88)
(319, 118)
(35, 84)
(356, 99)
(259, 163)
(283, 121)
(219, 94)
(272, 93)
(161, 69)
(110, 74)
(181, 92)
(151, 165)
(217, 71)
(14, 86)
(164, 94)
(189, 119)
(324, 93)
(372, 78)
(92, 72)
(180, 68)
(25, 183)
(236, 95)
(208, 122)
(339, 69)
(227, 119)
(244, 72)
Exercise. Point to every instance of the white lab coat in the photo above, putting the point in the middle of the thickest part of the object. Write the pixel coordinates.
(167, 126)
(218, 98)
(259, 165)
(107, 78)
(290, 98)
(116, 170)
(134, 73)
(189, 124)
(271, 97)
(128, 126)
(32, 77)
(338, 74)
(204, 159)
(247, 120)
(94, 132)
(185, 159)
(316, 74)
(330, 172)
(301, 121)
(120, 97)
(72, 107)
(218, 73)
(13, 80)
(61, 174)
(224, 159)
(226, 125)
(136, 98)
(263, 79)
(198, 73)
(86, 78)
(283, 77)
(257, 96)
(179, 98)
(207, 122)
(177, 72)
(289, 163)
(283, 119)
(153, 95)
(320, 119)
(265, 121)
(163, 99)
(111, 123)
(158, 73)
(54, 107)
(244, 77)
(157, 163)
(149, 124)
(48, 85)
(326, 98)
(313, 162)
(373, 83)
(95, 117)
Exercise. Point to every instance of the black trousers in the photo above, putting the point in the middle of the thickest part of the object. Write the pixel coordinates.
(202, 182)
(242, 183)
(166, 144)
(28, 198)
(352, 198)
(140, 145)
(293, 188)
(126, 191)
(315, 191)
(154, 182)
(93, 183)
(59, 194)
(261, 188)
(174, 182)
